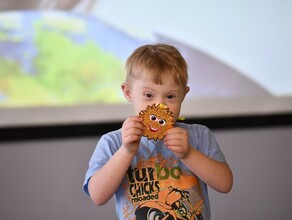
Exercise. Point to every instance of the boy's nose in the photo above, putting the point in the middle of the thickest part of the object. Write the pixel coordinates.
(159, 101)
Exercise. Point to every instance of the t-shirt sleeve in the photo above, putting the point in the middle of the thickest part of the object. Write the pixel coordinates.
(204, 141)
(106, 147)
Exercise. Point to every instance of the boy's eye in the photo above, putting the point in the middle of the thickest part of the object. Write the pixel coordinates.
(148, 95)
(170, 96)
(153, 117)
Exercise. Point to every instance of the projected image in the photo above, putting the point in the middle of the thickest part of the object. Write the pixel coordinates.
(54, 58)
(73, 52)
(51, 58)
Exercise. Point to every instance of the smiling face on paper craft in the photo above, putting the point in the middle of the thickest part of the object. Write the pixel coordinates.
(157, 119)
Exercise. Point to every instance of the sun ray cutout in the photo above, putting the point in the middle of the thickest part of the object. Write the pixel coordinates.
(157, 119)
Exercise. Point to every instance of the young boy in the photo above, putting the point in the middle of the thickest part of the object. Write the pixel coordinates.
(157, 179)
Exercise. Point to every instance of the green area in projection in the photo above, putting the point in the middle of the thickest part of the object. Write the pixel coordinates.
(65, 72)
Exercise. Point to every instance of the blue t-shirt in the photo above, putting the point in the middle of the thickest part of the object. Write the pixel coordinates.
(157, 184)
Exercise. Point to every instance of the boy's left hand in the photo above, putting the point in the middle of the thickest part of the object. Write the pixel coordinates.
(177, 140)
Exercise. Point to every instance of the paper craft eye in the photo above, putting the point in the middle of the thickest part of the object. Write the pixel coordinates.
(162, 122)
(153, 117)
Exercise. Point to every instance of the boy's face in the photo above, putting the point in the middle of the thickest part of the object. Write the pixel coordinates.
(144, 92)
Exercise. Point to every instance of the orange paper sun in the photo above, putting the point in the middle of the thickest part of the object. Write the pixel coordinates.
(157, 119)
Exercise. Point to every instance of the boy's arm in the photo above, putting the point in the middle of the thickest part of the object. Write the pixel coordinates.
(214, 173)
(105, 182)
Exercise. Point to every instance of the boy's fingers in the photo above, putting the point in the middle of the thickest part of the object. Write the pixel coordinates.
(133, 122)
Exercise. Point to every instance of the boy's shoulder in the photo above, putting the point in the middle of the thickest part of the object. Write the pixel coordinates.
(196, 131)
(115, 134)
(195, 127)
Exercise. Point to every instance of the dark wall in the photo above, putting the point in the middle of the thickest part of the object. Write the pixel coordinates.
(42, 178)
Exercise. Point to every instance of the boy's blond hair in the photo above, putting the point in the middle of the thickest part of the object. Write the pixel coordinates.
(157, 61)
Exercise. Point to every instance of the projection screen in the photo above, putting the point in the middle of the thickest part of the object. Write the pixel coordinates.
(62, 62)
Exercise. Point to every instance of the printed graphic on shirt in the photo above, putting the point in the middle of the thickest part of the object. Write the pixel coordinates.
(162, 190)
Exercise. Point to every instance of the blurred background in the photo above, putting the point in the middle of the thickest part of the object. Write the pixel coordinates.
(61, 67)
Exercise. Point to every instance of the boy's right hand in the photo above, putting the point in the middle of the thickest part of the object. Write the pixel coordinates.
(132, 131)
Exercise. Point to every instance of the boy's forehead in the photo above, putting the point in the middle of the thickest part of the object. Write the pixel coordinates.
(168, 83)
(148, 78)
(155, 77)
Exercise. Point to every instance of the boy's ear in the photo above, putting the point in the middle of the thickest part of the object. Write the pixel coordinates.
(186, 91)
(127, 91)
